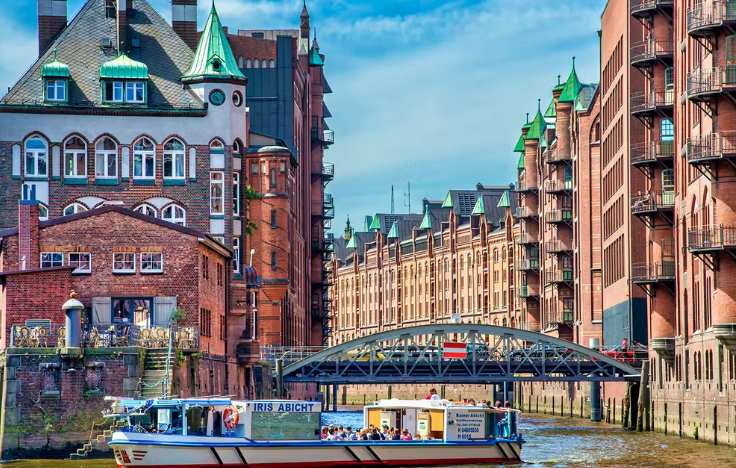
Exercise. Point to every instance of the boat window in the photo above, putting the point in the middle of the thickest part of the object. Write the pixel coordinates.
(197, 421)
(288, 425)
(168, 421)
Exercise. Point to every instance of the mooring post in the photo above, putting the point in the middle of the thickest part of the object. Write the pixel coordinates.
(595, 389)
(643, 400)
(279, 378)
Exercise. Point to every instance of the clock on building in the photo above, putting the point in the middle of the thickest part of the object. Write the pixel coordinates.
(217, 97)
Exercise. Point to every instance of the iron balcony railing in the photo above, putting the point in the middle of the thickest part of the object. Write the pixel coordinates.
(707, 81)
(559, 216)
(525, 212)
(558, 245)
(707, 15)
(651, 49)
(652, 151)
(527, 238)
(715, 237)
(559, 276)
(328, 137)
(529, 264)
(650, 101)
(557, 156)
(328, 170)
(529, 290)
(288, 354)
(106, 336)
(328, 202)
(642, 6)
(329, 238)
(659, 271)
(526, 186)
(651, 202)
(710, 147)
(557, 185)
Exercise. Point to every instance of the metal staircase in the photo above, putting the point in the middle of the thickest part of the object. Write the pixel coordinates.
(94, 442)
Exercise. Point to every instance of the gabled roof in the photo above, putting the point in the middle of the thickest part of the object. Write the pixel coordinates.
(572, 86)
(394, 232)
(479, 209)
(384, 221)
(55, 69)
(448, 200)
(538, 124)
(213, 58)
(426, 221)
(505, 201)
(463, 201)
(79, 47)
(352, 243)
(124, 67)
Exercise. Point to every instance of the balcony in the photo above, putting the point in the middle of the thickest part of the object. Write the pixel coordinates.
(558, 246)
(652, 102)
(113, 335)
(643, 273)
(529, 264)
(711, 239)
(529, 291)
(558, 185)
(649, 203)
(328, 172)
(644, 8)
(526, 238)
(711, 147)
(324, 137)
(704, 83)
(526, 186)
(559, 216)
(644, 154)
(559, 276)
(703, 19)
(557, 157)
(645, 53)
(523, 212)
(327, 241)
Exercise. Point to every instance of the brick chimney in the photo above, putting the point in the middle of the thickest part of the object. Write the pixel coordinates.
(28, 235)
(51, 20)
(125, 10)
(184, 20)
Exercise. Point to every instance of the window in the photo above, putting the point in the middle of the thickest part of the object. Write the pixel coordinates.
(271, 64)
(134, 92)
(273, 260)
(254, 168)
(123, 262)
(52, 259)
(205, 322)
(138, 310)
(272, 179)
(106, 159)
(263, 167)
(43, 213)
(216, 193)
(174, 214)
(75, 158)
(273, 219)
(73, 209)
(247, 63)
(667, 130)
(36, 157)
(144, 159)
(152, 262)
(174, 159)
(236, 193)
(83, 262)
(256, 63)
(56, 90)
(282, 167)
(205, 266)
(113, 91)
(236, 254)
(263, 64)
(147, 210)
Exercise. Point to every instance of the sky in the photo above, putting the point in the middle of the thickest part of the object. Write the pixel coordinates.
(426, 92)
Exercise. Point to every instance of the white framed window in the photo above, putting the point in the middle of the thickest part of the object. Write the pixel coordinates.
(247, 63)
(114, 91)
(144, 159)
(106, 159)
(236, 193)
(256, 63)
(271, 64)
(52, 259)
(56, 90)
(75, 157)
(152, 262)
(37, 155)
(236, 254)
(263, 64)
(134, 92)
(174, 159)
(263, 167)
(43, 212)
(216, 193)
(236, 143)
(174, 214)
(74, 208)
(83, 262)
(147, 210)
(123, 262)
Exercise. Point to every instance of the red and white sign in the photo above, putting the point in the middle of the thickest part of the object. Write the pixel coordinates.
(454, 350)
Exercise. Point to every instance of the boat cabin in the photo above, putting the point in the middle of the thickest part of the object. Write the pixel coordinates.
(442, 419)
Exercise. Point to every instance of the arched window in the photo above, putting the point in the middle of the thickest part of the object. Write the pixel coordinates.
(106, 159)
(174, 159)
(236, 148)
(271, 64)
(147, 210)
(73, 209)
(216, 145)
(43, 212)
(75, 157)
(36, 157)
(247, 63)
(144, 159)
(272, 178)
(263, 64)
(240, 62)
(256, 63)
(174, 214)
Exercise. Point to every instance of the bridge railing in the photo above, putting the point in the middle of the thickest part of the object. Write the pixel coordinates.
(288, 354)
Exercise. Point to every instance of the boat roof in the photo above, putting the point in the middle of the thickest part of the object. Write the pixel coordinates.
(395, 403)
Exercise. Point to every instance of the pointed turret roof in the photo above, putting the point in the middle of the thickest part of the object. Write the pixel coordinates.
(367, 221)
(376, 224)
(213, 58)
(521, 162)
(551, 110)
(305, 13)
(315, 59)
(505, 201)
(519, 148)
(394, 232)
(427, 221)
(539, 125)
(352, 244)
(572, 86)
(448, 201)
(55, 69)
(479, 208)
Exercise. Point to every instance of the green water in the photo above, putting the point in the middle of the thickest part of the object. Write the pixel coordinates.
(552, 442)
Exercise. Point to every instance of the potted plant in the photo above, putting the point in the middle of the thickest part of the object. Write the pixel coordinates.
(178, 315)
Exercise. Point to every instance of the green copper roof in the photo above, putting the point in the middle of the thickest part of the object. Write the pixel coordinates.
(55, 68)
(367, 224)
(559, 85)
(479, 208)
(448, 201)
(505, 201)
(538, 125)
(572, 86)
(124, 67)
(352, 244)
(214, 58)
(394, 232)
(521, 162)
(376, 224)
(519, 148)
(543, 140)
(427, 221)
(551, 110)
(314, 59)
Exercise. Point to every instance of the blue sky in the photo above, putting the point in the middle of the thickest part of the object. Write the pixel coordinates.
(428, 91)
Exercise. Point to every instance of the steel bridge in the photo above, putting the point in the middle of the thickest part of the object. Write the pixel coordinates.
(493, 355)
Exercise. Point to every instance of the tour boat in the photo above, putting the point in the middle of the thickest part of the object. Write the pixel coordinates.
(218, 431)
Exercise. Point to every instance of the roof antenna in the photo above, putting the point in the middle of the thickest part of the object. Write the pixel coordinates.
(408, 194)
(392, 200)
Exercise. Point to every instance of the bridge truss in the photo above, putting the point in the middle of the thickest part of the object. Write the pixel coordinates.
(494, 354)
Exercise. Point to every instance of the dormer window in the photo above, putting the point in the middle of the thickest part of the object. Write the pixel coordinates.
(56, 81)
(56, 90)
(114, 91)
(134, 92)
(216, 65)
(124, 81)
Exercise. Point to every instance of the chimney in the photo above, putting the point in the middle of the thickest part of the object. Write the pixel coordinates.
(51, 20)
(125, 10)
(184, 20)
(28, 235)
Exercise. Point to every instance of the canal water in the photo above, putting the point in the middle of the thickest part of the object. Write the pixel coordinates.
(551, 443)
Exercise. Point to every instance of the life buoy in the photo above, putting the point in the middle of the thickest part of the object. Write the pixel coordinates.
(230, 417)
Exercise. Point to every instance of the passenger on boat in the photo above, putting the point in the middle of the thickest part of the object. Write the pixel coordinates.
(341, 432)
(364, 434)
(417, 436)
(385, 434)
(332, 434)
(405, 434)
(375, 435)
(471, 402)
(350, 435)
(323, 434)
(397, 435)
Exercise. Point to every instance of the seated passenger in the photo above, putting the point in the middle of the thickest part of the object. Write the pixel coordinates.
(364, 434)
(405, 435)
(375, 435)
(323, 434)
(332, 434)
(471, 402)
(397, 435)
(385, 434)
(417, 436)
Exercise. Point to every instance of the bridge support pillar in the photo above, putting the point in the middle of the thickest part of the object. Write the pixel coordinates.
(279, 378)
(595, 390)
(334, 398)
(327, 397)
